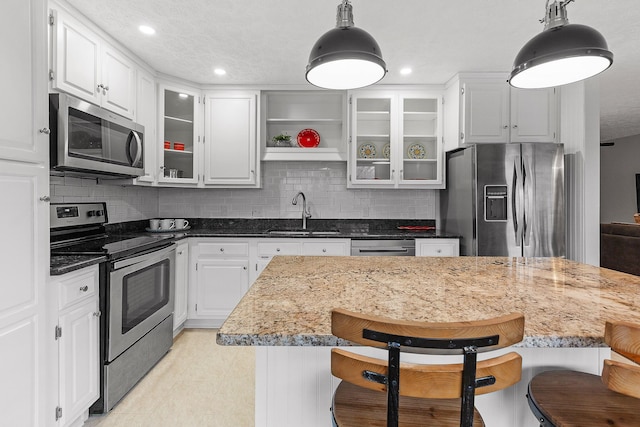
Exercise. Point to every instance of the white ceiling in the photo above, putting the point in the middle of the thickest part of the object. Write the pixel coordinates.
(267, 42)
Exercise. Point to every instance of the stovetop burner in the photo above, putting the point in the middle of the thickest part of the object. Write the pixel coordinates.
(78, 229)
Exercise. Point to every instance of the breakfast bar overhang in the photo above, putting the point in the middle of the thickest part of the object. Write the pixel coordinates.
(286, 314)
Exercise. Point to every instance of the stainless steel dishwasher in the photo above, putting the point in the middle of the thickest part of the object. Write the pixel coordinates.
(394, 247)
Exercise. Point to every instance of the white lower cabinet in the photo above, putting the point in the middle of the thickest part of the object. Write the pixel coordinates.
(437, 247)
(181, 283)
(220, 277)
(77, 334)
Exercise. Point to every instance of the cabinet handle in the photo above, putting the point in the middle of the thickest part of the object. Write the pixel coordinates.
(84, 288)
(45, 199)
(97, 314)
(46, 131)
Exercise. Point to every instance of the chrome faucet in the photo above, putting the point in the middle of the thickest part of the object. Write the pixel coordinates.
(305, 213)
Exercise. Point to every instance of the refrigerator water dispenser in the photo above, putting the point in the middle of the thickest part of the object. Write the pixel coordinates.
(495, 203)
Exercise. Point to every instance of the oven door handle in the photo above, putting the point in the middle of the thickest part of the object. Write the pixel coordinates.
(144, 256)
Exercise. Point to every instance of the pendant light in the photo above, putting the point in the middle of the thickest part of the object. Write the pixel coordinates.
(345, 57)
(563, 53)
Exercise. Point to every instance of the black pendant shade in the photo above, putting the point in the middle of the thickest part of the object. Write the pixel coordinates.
(561, 54)
(345, 57)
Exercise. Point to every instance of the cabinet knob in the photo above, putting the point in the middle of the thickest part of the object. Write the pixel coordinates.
(46, 131)
(221, 249)
(97, 314)
(324, 250)
(438, 251)
(84, 288)
(515, 126)
(106, 87)
(45, 199)
(277, 249)
(180, 253)
(100, 86)
(244, 268)
(505, 127)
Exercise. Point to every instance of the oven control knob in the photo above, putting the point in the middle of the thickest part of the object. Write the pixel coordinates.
(95, 213)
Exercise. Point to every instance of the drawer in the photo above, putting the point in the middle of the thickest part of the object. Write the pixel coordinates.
(438, 248)
(278, 248)
(221, 249)
(326, 248)
(77, 286)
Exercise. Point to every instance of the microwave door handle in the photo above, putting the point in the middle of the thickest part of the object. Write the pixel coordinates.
(138, 150)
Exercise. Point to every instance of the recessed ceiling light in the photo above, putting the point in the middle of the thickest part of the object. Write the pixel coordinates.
(405, 71)
(219, 71)
(145, 29)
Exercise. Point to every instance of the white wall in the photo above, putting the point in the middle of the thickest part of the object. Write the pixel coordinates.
(619, 165)
(124, 203)
(580, 133)
(324, 184)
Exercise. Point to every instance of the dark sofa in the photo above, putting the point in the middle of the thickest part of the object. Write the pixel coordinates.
(620, 247)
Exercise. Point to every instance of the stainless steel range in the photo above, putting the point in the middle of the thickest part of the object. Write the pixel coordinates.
(136, 294)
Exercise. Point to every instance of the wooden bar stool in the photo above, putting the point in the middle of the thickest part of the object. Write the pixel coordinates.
(570, 398)
(379, 392)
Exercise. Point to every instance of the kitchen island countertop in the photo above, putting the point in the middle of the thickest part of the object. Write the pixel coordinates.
(565, 303)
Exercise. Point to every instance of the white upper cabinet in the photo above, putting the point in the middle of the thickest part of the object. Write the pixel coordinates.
(24, 109)
(180, 137)
(396, 139)
(322, 113)
(86, 66)
(230, 138)
(485, 109)
(146, 115)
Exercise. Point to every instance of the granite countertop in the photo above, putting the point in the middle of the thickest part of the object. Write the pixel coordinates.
(62, 264)
(565, 303)
(259, 228)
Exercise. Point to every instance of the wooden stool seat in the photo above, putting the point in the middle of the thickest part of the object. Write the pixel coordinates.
(577, 399)
(378, 392)
(356, 406)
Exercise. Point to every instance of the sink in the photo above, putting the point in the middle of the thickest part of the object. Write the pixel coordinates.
(325, 233)
(302, 232)
(289, 232)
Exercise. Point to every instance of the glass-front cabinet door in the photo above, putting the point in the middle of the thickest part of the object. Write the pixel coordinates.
(419, 137)
(372, 138)
(179, 141)
(396, 140)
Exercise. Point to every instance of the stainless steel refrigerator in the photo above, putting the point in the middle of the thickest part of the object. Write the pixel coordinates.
(506, 199)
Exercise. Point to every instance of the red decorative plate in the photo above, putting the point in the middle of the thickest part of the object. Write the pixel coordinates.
(308, 138)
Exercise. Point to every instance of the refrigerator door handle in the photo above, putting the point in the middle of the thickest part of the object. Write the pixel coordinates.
(516, 200)
(527, 201)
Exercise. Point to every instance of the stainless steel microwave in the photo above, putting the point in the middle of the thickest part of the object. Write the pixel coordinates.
(89, 140)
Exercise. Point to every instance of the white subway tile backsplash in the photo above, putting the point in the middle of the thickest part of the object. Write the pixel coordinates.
(324, 185)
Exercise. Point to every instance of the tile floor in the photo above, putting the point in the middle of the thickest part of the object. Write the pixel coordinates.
(198, 383)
